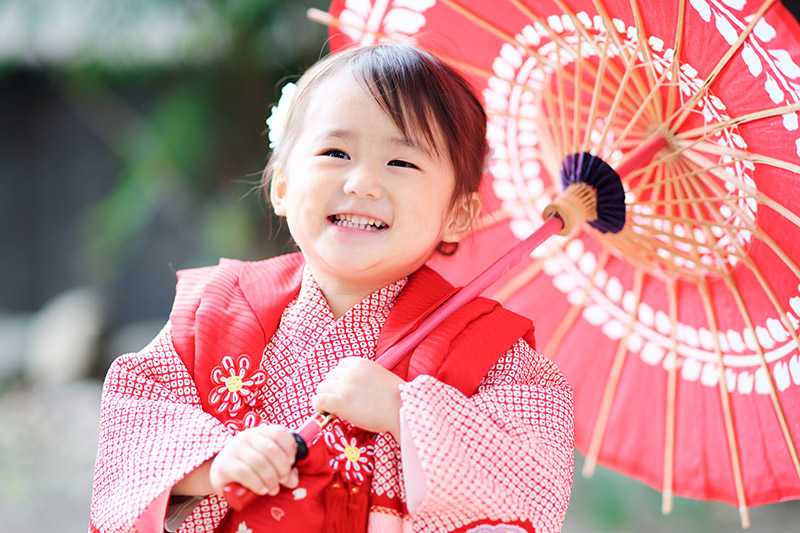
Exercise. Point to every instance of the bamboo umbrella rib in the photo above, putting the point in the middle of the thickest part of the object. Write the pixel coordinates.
(572, 315)
(609, 393)
(691, 189)
(724, 394)
(734, 153)
(747, 156)
(617, 97)
(761, 235)
(687, 200)
(687, 107)
(658, 103)
(556, 38)
(645, 247)
(727, 415)
(681, 208)
(718, 251)
(647, 183)
(680, 220)
(613, 34)
(669, 435)
(770, 292)
(601, 67)
(675, 65)
(677, 176)
(707, 130)
(576, 101)
(776, 404)
(654, 92)
(638, 83)
(552, 126)
(667, 194)
(602, 96)
(749, 189)
(578, 25)
(656, 244)
(763, 281)
(562, 104)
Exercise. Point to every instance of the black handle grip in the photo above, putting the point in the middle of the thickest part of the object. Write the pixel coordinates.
(302, 447)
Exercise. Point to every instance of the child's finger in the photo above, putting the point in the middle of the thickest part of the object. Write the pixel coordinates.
(272, 456)
(283, 438)
(226, 470)
(292, 480)
(326, 402)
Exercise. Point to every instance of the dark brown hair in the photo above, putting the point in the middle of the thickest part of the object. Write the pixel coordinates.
(417, 91)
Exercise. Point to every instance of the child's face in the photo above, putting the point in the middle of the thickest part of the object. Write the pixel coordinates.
(364, 204)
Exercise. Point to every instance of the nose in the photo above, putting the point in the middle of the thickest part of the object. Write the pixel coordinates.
(364, 181)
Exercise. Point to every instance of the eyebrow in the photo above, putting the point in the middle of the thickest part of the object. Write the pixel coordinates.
(411, 143)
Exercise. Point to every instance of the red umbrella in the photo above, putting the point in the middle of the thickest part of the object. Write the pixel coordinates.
(680, 333)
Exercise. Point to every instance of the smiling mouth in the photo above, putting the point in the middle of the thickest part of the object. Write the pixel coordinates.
(358, 222)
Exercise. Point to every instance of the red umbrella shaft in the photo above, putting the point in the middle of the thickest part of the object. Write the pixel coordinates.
(392, 356)
(239, 497)
(642, 156)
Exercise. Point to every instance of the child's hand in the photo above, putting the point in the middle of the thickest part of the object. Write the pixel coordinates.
(363, 393)
(259, 459)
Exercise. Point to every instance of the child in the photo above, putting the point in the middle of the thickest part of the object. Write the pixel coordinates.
(379, 166)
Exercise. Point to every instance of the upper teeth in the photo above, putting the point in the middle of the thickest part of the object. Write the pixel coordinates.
(359, 221)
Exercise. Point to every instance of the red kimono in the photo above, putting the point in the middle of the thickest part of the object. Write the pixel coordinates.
(485, 441)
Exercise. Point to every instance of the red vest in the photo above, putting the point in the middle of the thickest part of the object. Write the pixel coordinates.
(234, 308)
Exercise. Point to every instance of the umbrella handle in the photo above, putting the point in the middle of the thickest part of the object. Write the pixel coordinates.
(240, 497)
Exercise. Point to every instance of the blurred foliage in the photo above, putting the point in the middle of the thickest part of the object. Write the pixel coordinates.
(184, 120)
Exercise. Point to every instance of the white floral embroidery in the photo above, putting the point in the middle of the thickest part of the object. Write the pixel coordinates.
(237, 386)
(353, 460)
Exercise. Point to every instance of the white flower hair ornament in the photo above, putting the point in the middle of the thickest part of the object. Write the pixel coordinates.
(279, 115)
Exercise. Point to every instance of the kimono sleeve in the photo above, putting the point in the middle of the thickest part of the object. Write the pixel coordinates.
(503, 455)
(152, 433)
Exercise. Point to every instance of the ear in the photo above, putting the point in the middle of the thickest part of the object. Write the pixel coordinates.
(463, 214)
(277, 193)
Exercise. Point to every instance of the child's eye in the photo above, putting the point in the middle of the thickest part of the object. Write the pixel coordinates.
(400, 163)
(336, 153)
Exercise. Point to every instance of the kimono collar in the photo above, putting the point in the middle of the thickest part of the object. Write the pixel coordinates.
(371, 311)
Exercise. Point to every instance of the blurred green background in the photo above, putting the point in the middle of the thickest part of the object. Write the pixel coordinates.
(131, 145)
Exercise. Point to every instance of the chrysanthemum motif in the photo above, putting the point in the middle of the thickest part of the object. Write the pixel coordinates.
(352, 459)
(236, 384)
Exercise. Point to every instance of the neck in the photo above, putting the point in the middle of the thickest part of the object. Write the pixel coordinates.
(341, 299)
